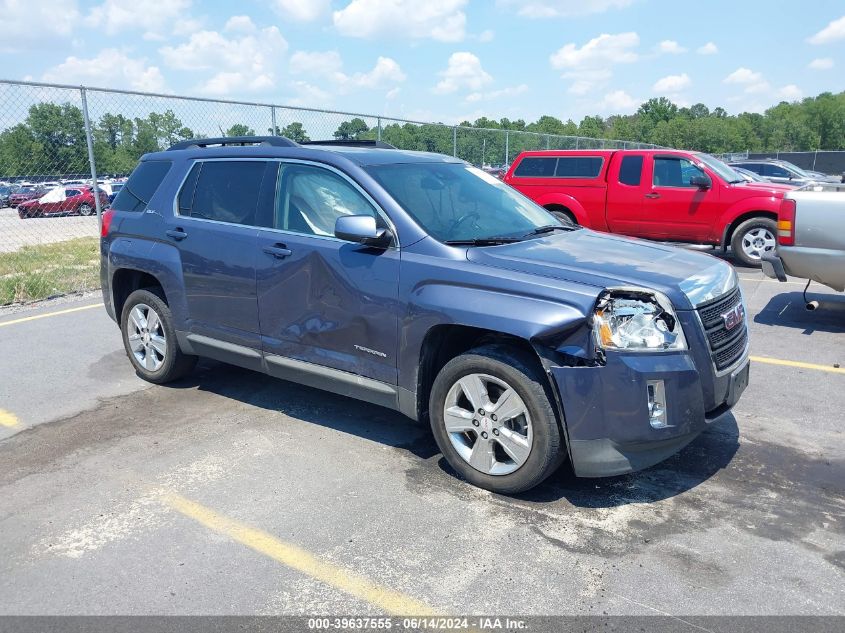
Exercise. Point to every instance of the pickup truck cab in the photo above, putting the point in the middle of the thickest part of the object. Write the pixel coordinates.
(664, 195)
(417, 282)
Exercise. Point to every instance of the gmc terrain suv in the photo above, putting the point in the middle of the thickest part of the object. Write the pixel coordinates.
(418, 282)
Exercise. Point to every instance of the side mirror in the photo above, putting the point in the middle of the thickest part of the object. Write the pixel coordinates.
(362, 229)
(702, 181)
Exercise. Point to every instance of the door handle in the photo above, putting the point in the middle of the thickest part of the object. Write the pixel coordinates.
(652, 195)
(278, 251)
(177, 234)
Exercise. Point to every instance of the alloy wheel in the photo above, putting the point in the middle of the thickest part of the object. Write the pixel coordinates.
(146, 337)
(757, 242)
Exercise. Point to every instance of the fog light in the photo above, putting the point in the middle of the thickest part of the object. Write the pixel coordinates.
(657, 404)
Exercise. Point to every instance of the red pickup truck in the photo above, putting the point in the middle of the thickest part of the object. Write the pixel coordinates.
(665, 195)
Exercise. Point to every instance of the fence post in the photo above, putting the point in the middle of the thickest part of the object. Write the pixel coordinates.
(548, 142)
(577, 138)
(92, 163)
(815, 156)
(455, 141)
(273, 127)
(378, 137)
(507, 146)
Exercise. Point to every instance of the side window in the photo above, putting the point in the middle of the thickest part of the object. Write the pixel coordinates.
(536, 167)
(227, 191)
(311, 199)
(137, 192)
(631, 170)
(674, 172)
(186, 195)
(755, 167)
(578, 166)
(72, 192)
(775, 171)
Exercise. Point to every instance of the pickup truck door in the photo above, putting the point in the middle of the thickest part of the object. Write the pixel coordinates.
(626, 186)
(322, 300)
(673, 208)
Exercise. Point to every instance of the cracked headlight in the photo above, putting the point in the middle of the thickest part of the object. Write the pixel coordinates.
(637, 320)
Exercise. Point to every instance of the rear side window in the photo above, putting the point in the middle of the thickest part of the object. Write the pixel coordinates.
(226, 191)
(578, 166)
(136, 194)
(186, 196)
(535, 167)
(756, 168)
(631, 170)
(775, 171)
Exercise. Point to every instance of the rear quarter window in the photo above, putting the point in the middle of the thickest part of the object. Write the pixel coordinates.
(578, 166)
(536, 167)
(137, 192)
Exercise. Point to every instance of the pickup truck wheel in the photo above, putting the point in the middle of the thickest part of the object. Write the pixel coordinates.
(752, 239)
(150, 340)
(493, 421)
(565, 216)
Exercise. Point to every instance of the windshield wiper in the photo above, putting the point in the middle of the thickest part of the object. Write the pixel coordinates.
(540, 230)
(483, 241)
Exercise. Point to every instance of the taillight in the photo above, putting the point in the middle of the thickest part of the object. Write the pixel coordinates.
(786, 223)
(108, 214)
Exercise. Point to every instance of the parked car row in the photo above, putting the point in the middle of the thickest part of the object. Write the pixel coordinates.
(783, 172)
(67, 198)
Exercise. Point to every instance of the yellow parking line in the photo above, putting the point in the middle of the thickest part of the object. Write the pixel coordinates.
(50, 314)
(798, 364)
(389, 601)
(7, 419)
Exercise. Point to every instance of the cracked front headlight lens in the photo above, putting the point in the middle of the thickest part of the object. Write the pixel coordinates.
(637, 321)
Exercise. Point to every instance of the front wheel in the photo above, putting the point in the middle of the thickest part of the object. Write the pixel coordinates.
(86, 209)
(493, 420)
(150, 338)
(752, 239)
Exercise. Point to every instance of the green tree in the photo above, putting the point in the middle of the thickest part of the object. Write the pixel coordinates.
(351, 130)
(295, 132)
(239, 129)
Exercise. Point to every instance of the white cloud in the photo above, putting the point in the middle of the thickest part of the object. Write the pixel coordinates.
(618, 102)
(302, 10)
(486, 36)
(329, 65)
(823, 63)
(110, 67)
(670, 47)
(831, 33)
(463, 71)
(153, 18)
(240, 24)
(790, 92)
(590, 65)
(672, 84)
(708, 49)
(753, 82)
(29, 22)
(563, 8)
(308, 95)
(442, 20)
(510, 91)
(599, 52)
(393, 93)
(246, 63)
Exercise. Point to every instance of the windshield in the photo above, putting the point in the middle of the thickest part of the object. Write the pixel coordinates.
(724, 172)
(796, 169)
(456, 202)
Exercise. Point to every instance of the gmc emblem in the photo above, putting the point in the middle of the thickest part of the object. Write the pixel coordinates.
(733, 317)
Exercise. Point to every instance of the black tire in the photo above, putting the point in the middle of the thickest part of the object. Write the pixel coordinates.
(521, 373)
(742, 230)
(86, 209)
(566, 217)
(175, 363)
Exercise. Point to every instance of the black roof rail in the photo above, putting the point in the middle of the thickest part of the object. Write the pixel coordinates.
(352, 143)
(223, 141)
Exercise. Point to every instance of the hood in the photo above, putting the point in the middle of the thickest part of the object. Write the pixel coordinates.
(771, 188)
(688, 278)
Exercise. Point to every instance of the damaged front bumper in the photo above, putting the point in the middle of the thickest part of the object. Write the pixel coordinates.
(614, 423)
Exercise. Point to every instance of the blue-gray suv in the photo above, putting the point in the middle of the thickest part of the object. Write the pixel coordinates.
(417, 282)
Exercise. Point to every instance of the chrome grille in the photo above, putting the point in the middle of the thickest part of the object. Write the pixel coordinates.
(726, 346)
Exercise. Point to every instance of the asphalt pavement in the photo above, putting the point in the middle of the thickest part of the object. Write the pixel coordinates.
(234, 493)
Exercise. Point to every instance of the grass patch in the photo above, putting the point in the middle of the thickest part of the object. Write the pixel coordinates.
(38, 272)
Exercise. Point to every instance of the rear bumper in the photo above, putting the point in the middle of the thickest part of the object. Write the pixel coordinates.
(607, 414)
(773, 267)
(824, 265)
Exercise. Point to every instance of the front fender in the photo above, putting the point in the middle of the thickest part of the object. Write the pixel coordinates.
(755, 204)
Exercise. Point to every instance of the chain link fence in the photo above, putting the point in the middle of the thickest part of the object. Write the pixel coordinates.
(66, 150)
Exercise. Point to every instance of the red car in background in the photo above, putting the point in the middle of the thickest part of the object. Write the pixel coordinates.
(25, 194)
(664, 195)
(63, 201)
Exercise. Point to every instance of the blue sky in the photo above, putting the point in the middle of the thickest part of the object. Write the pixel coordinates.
(443, 60)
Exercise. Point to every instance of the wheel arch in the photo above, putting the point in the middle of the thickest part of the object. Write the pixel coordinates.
(125, 281)
(730, 227)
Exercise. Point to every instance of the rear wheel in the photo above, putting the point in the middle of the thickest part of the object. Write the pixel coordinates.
(493, 420)
(752, 239)
(86, 209)
(150, 338)
(564, 215)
